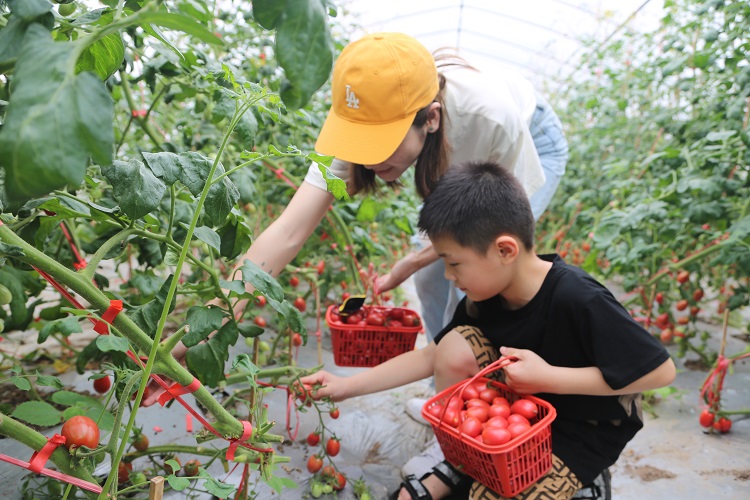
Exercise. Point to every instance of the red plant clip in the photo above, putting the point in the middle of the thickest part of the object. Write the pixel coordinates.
(39, 458)
(178, 390)
(247, 432)
(102, 327)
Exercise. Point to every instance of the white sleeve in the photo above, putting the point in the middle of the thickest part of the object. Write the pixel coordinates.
(338, 168)
(513, 148)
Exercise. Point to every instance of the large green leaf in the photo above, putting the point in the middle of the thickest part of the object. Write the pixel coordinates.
(267, 13)
(147, 316)
(103, 57)
(184, 24)
(202, 321)
(206, 360)
(64, 327)
(37, 413)
(304, 49)
(262, 281)
(29, 9)
(136, 188)
(56, 120)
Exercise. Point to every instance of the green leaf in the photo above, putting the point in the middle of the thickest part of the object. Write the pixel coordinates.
(103, 57)
(369, 209)
(136, 188)
(22, 383)
(109, 343)
(173, 464)
(267, 13)
(262, 281)
(11, 39)
(177, 483)
(11, 250)
(37, 413)
(105, 419)
(56, 120)
(65, 208)
(335, 185)
(147, 316)
(235, 286)
(278, 483)
(202, 321)
(235, 238)
(215, 487)
(207, 236)
(185, 24)
(29, 9)
(69, 398)
(249, 330)
(49, 381)
(304, 49)
(64, 326)
(206, 360)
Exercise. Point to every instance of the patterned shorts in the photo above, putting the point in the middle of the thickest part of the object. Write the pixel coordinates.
(559, 483)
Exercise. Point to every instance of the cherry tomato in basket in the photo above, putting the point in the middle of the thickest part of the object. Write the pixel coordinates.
(375, 319)
(435, 410)
(499, 410)
(410, 320)
(501, 401)
(525, 408)
(470, 392)
(496, 422)
(495, 435)
(489, 394)
(394, 323)
(354, 319)
(477, 402)
(451, 417)
(396, 314)
(472, 427)
(518, 429)
(515, 418)
(333, 446)
(80, 431)
(481, 413)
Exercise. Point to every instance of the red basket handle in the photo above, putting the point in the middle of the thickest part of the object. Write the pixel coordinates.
(495, 365)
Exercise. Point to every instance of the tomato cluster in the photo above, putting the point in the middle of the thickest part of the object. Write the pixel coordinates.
(389, 317)
(484, 414)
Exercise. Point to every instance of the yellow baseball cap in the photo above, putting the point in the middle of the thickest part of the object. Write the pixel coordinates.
(379, 83)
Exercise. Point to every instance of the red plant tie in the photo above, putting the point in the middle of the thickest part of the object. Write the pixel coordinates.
(247, 432)
(54, 474)
(102, 327)
(178, 390)
(289, 405)
(39, 458)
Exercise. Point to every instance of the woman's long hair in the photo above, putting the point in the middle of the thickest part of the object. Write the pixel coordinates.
(434, 158)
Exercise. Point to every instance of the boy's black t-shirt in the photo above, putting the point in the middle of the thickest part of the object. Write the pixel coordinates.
(574, 321)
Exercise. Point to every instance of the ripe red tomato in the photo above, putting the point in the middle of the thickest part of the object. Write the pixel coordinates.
(340, 482)
(683, 320)
(515, 418)
(375, 319)
(697, 294)
(524, 407)
(489, 394)
(397, 314)
(328, 471)
(123, 471)
(191, 467)
(501, 401)
(723, 425)
(320, 267)
(294, 281)
(80, 431)
(682, 305)
(435, 410)
(314, 464)
(296, 339)
(481, 413)
(333, 446)
(345, 295)
(666, 335)
(659, 298)
(354, 319)
(476, 402)
(313, 439)
(334, 413)
(683, 276)
(260, 321)
(140, 443)
(410, 319)
(495, 435)
(470, 392)
(102, 385)
(300, 304)
(499, 410)
(260, 300)
(517, 429)
(471, 426)
(496, 421)
(706, 418)
(394, 323)
(662, 320)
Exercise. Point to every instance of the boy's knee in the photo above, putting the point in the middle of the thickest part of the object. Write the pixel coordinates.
(454, 354)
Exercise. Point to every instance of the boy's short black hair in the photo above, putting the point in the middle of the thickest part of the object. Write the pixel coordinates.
(474, 203)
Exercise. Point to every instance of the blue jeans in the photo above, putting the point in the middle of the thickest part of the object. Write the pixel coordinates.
(437, 295)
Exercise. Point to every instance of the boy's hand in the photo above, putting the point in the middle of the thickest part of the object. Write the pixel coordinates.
(332, 386)
(529, 374)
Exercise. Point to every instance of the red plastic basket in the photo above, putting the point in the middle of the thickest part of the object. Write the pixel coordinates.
(369, 345)
(507, 469)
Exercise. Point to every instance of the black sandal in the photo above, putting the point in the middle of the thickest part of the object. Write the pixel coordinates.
(445, 472)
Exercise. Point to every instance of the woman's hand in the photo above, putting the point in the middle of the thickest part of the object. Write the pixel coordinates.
(332, 386)
(529, 374)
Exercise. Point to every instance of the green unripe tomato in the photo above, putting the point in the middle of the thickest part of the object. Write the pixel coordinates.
(138, 478)
(66, 9)
(2, 325)
(5, 295)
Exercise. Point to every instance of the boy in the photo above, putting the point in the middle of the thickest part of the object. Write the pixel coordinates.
(575, 345)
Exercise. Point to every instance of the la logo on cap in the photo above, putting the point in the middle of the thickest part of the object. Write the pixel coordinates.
(351, 99)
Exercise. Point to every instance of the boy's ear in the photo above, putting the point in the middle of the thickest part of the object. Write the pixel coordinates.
(507, 247)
